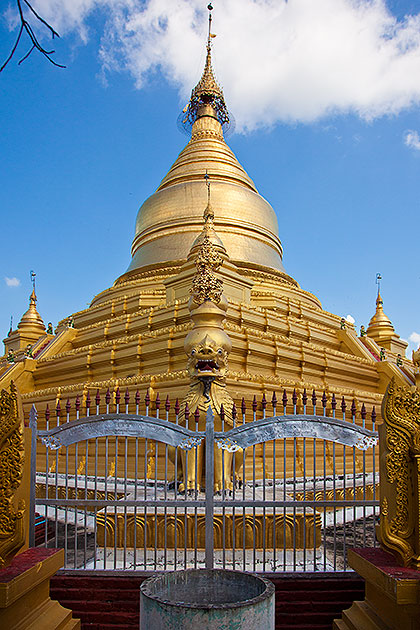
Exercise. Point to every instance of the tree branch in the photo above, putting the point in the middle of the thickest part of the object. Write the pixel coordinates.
(25, 26)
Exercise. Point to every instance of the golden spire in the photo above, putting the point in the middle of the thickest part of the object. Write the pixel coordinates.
(380, 325)
(207, 85)
(207, 96)
(32, 320)
(209, 247)
(208, 236)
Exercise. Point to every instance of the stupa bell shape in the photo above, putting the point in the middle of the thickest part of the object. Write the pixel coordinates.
(30, 328)
(31, 321)
(382, 331)
(380, 326)
(169, 221)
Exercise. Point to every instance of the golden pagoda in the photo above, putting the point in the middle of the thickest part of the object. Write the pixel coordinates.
(132, 335)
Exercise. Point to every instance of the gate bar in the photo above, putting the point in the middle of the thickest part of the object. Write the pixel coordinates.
(209, 542)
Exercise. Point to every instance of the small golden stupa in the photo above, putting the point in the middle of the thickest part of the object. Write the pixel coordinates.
(132, 335)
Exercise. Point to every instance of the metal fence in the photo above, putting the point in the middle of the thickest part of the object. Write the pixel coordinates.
(288, 492)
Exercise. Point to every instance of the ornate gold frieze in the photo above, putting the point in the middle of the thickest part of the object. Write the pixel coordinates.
(12, 530)
(148, 334)
(69, 492)
(360, 493)
(286, 531)
(399, 441)
(111, 383)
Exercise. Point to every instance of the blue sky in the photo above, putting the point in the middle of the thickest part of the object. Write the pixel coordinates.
(82, 148)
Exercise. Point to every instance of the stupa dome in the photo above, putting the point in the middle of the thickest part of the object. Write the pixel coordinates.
(170, 220)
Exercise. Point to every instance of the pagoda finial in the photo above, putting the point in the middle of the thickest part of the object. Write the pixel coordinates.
(207, 96)
(378, 282)
(32, 319)
(32, 276)
(379, 322)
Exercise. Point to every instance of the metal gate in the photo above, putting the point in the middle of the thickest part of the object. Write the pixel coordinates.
(294, 491)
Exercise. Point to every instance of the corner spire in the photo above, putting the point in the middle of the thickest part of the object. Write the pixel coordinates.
(31, 319)
(207, 96)
(380, 325)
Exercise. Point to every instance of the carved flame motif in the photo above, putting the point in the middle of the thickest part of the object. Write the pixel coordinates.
(205, 285)
(12, 536)
(400, 466)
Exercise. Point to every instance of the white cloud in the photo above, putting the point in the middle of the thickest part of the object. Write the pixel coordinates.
(414, 338)
(12, 282)
(412, 139)
(350, 319)
(278, 61)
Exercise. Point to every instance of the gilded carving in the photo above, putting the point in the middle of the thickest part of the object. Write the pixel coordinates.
(205, 285)
(416, 362)
(12, 534)
(290, 531)
(363, 493)
(400, 454)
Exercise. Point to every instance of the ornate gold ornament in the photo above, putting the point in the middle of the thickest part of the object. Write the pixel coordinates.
(205, 285)
(416, 362)
(12, 531)
(399, 529)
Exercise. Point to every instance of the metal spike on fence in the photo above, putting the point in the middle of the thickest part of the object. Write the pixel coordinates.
(108, 397)
(58, 408)
(88, 400)
(187, 413)
(234, 412)
(177, 407)
(137, 399)
(127, 397)
(167, 404)
(254, 404)
(274, 403)
(157, 401)
(117, 396)
(77, 404)
(363, 413)
(333, 402)
(243, 406)
(97, 398)
(353, 408)
(222, 413)
(373, 415)
(284, 398)
(196, 415)
(324, 399)
(147, 398)
(294, 397)
(68, 406)
(343, 406)
(304, 397)
(314, 399)
(47, 413)
(263, 402)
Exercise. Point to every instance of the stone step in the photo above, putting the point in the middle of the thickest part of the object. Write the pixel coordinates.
(302, 602)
